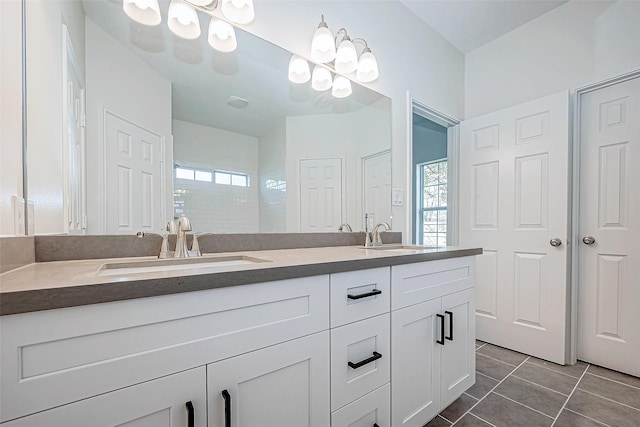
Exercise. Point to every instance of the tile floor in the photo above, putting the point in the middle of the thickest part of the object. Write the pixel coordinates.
(516, 390)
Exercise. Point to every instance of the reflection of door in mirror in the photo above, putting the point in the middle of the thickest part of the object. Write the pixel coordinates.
(74, 119)
(320, 195)
(377, 188)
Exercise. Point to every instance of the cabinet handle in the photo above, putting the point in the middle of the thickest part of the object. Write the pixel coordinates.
(373, 358)
(441, 340)
(375, 425)
(190, 414)
(366, 294)
(450, 337)
(227, 408)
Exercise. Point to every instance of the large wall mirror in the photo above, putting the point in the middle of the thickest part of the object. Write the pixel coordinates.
(130, 126)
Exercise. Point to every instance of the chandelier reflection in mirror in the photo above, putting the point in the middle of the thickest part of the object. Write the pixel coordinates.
(183, 19)
(338, 54)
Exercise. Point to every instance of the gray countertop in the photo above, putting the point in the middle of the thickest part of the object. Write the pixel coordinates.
(51, 285)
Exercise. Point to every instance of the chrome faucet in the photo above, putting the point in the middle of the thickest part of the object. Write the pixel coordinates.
(345, 227)
(184, 225)
(375, 234)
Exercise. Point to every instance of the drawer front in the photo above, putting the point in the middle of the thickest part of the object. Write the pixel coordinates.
(55, 357)
(349, 300)
(360, 359)
(419, 282)
(365, 412)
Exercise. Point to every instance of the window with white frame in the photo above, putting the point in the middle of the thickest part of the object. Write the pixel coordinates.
(432, 206)
(217, 177)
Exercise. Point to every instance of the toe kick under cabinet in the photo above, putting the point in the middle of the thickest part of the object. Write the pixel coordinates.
(385, 347)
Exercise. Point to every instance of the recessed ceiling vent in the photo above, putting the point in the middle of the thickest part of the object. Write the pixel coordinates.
(237, 102)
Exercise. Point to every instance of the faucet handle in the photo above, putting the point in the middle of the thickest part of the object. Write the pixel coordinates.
(195, 247)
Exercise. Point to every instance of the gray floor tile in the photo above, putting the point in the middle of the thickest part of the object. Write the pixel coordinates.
(471, 421)
(478, 342)
(503, 412)
(437, 422)
(605, 411)
(611, 390)
(574, 370)
(571, 419)
(536, 397)
(613, 375)
(504, 355)
(492, 368)
(546, 378)
(482, 386)
(459, 407)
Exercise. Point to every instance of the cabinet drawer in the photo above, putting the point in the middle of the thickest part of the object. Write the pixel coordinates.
(349, 302)
(161, 402)
(55, 357)
(419, 282)
(360, 359)
(365, 412)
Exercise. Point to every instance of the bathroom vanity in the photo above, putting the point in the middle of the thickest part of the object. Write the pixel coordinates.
(340, 336)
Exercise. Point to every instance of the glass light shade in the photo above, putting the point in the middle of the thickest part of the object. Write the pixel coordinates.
(323, 48)
(146, 12)
(183, 20)
(321, 78)
(367, 67)
(346, 57)
(341, 87)
(299, 71)
(222, 36)
(238, 11)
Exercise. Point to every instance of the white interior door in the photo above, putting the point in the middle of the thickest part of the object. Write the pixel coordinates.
(320, 195)
(609, 268)
(513, 201)
(377, 187)
(134, 184)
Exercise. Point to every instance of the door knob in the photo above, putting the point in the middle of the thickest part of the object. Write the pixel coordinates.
(555, 242)
(588, 240)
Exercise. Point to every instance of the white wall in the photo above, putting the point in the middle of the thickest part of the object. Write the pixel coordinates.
(411, 56)
(272, 151)
(10, 111)
(113, 75)
(44, 105)
(578, 43)
(213, 207)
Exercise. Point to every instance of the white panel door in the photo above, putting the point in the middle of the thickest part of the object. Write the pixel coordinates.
(134, 184)
(609, 269)
(286, 385)
(513, 201)
(320, 195)
(377, 187)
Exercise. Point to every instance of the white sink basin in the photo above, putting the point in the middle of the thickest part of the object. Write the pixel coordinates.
(214, 264)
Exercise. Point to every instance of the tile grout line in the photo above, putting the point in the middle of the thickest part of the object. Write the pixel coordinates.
(440, 417)
(558, 372)
(478, 348)
(569, 397)
(483, 420)
(609, 399)
(615, 381)
(489, 392)
(538, 385)
(522, 404)
(589, 418)
(497, 360)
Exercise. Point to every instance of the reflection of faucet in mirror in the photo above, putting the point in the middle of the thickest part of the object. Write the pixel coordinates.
(375, 235)
(184, 225)
(345, 227)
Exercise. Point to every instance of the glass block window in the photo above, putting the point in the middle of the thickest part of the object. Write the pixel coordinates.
(432, 206)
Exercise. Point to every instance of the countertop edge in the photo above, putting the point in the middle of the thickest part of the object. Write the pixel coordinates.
(26, 301)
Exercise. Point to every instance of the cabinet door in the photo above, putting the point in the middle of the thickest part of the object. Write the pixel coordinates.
(415, 364)
(156, 403)
(367, 411)
(458, 353)
(286, 385)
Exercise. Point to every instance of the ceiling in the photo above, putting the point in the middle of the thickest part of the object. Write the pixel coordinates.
(468, 24)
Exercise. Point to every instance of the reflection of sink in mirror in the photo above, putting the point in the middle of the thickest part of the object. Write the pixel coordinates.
(218, 263)
(400, 248)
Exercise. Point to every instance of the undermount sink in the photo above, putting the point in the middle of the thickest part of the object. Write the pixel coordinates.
(400, 248)
(216, 264)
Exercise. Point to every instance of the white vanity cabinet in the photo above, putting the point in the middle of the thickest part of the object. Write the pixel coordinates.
(433, 337)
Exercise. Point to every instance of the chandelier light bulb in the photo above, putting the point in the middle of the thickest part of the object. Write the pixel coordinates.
(367, 67)
(146, 12)
(321, 78)
(183, 20)
(222, 36)
(346, 57)
(238, 11)
(323, 48)
(299, 70)
(341, 87)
